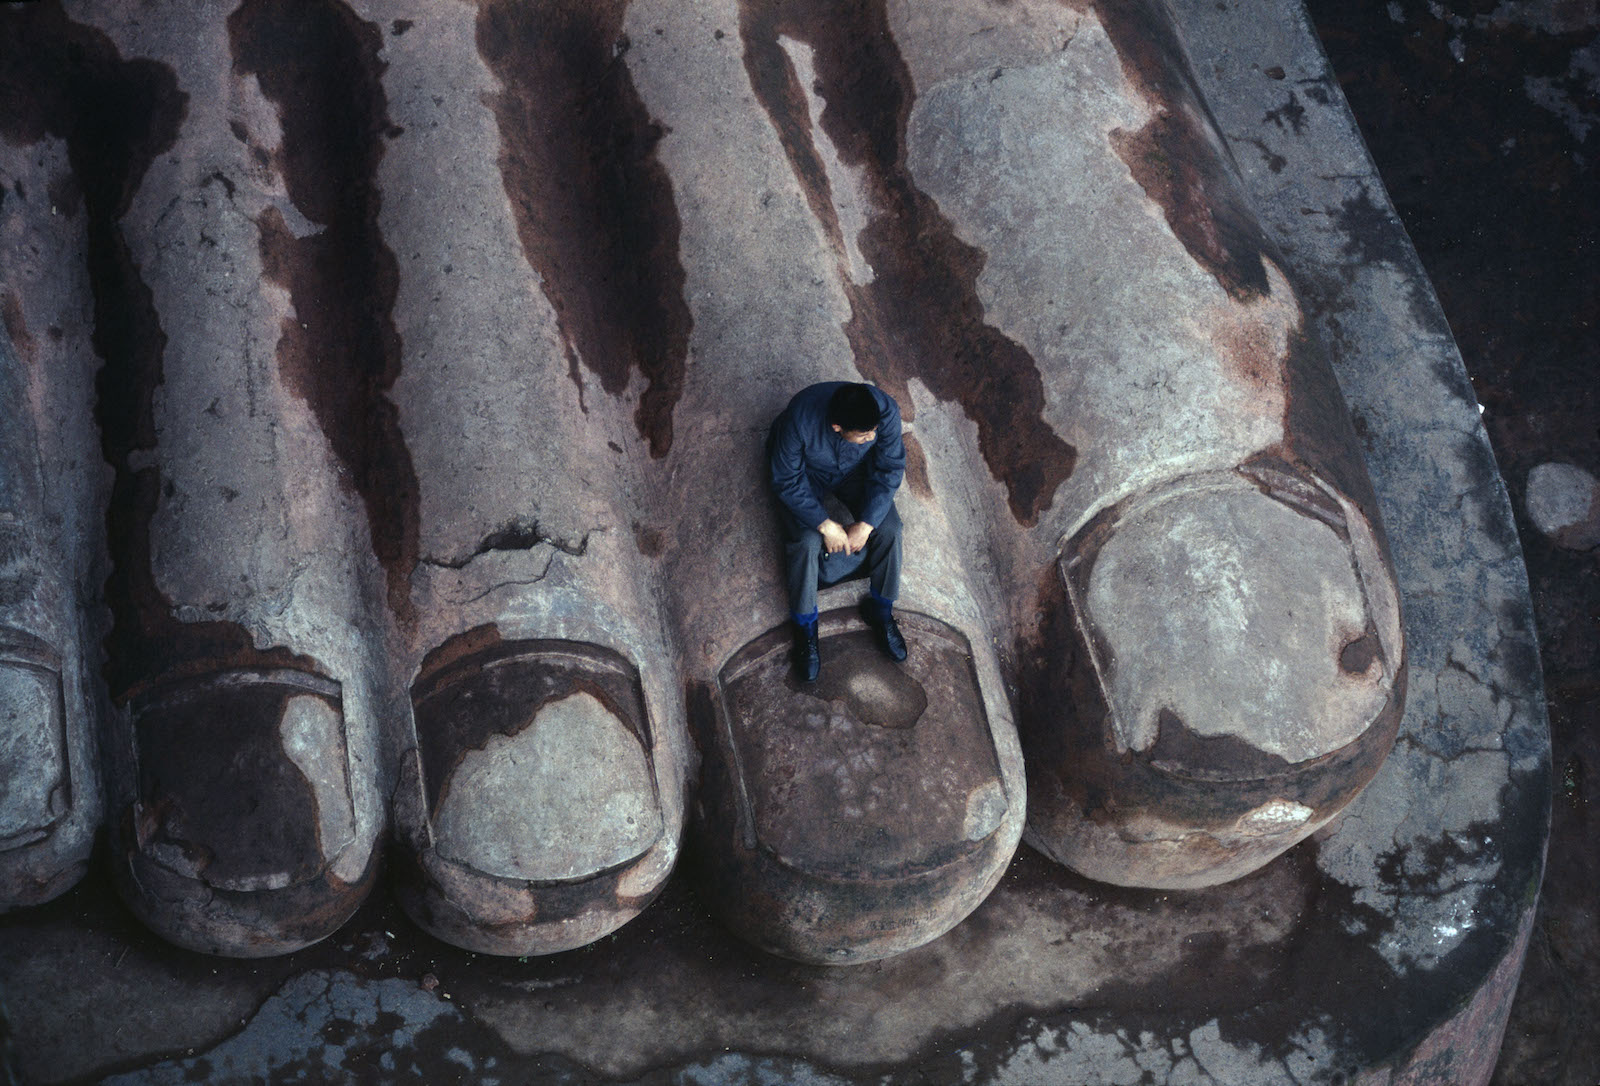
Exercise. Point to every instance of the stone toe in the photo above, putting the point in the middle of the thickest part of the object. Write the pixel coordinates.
(1243, 640)
(242, 814)
(535, 821)
(859, 816)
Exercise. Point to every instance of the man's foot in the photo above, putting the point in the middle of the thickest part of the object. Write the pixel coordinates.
(807, 653)
(881, 619)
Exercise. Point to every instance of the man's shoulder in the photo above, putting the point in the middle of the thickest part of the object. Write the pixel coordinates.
(886, 402)
(819, 393)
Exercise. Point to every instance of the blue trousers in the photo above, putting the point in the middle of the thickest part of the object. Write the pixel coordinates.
(807, 566)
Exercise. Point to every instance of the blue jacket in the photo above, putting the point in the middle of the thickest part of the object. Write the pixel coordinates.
(806, 459)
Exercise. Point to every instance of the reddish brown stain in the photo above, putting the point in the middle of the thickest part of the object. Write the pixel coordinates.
(339, 352)
(592, 202)
(467, 643)
(63, 79)
(651, 541)
(1192, 178)
(917, 468)
(1247, 347)
(920, 316)
(1185, 753)
(16, 327)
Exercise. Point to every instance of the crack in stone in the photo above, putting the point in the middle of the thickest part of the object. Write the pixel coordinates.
(542, 574)
(517, 535)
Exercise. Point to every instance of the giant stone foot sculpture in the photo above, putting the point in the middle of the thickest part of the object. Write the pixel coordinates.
(435, 348)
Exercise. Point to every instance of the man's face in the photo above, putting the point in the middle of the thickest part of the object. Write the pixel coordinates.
(855, 437)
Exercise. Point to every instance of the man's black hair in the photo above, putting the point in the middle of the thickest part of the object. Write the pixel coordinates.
(854, 408)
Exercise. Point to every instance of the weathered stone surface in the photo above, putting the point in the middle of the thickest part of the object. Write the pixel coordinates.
(524, 314)
(226, 518)
(858, 816)
(1189, 608)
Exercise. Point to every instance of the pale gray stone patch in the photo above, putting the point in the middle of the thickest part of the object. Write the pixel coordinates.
(309, 729)
(953, 40)
(734, 1067)
(568, 796)
(845, 183)
(1218, 663)
(1080, 1052)
(32, 754)
(1230, 1063)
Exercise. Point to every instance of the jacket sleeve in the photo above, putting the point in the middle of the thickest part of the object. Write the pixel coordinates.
(786, 471)
(888, 465)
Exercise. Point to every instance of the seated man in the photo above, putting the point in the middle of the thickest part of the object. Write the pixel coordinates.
(841, 439)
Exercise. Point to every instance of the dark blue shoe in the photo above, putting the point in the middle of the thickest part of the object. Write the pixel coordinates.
(881, 619)
(807, 653)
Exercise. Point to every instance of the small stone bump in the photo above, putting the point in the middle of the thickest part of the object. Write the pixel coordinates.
(1563, 501)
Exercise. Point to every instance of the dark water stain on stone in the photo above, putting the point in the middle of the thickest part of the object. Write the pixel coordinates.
(65, 194)
(1176, 157)
(650, 540)
(66, 80)
(920, 316)
(339, 352)
(238, 810)
(1186, 753)
(593, 203)
(1356, 657)
(1317, 428)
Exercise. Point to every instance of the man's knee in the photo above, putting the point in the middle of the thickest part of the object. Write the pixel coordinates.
(808, 544)
(889, 527)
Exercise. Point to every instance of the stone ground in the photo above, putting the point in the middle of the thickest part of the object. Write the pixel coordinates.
(1484, 120)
